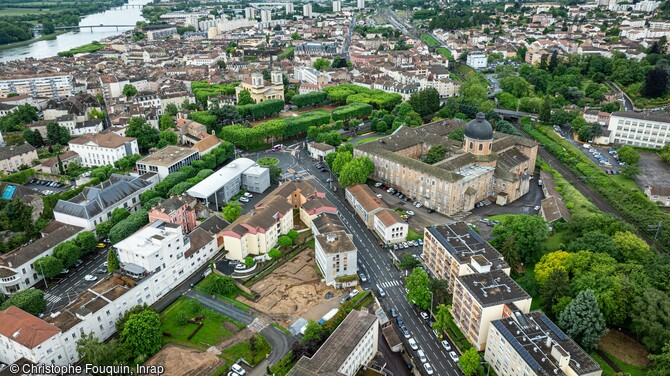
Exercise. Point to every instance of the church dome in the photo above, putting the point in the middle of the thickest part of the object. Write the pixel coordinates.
(479, 128)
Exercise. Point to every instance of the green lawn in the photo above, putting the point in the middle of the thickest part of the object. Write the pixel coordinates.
(429, 40)
(369, 139)
(445, 52)
(284, 365)
(267, 161)
(626, 368)
(625, 183)
(553, 243)
(412, 235)
(243, 350)
(211, 334)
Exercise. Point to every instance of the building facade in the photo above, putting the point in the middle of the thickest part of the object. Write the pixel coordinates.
(51, 85)
(487, 165)
(336, 256)
(13, 157)
(646, 129)
(174, 210)
(101, 149)
(390, 227)
(477, 60)
(167, 160)
(260, 89)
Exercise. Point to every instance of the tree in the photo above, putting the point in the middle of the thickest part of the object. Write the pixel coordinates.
(436, 154)
(57, 135)
(469, 362)
(86, 240)
(545, 113)
(232, 211)
(171, 109)
(129, 90)
(249, 261)
(293, 234)
(275, 174)
(530, 233)
(113, 263)
(554, 289)
(510, 253)
(321, 64)
(48, 27)
(629, 155)
(99, 353)
(660, 364)
(34, 138)
(121, 322)
(631, 248)
(418, 286)
(141, 335)
(244, 98)
(341, 159)
(146, 135)
(166, 122)
(284, 241)
(630, 171)
(68, 252)
(356, 172)
(442, 318)
(656, 82)
(30, 300)
(168, 137)
(313, 331)
(49, 266)
(220, 285)
(553, 61)
(226, 115)
(425, 102)
(650, 314)
(274, 253)
(583, 321)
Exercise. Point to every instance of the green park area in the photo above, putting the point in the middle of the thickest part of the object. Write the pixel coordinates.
(429, 40)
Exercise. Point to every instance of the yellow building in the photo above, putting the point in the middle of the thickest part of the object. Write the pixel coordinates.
(260, 89)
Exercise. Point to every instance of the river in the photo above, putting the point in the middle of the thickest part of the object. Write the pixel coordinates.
(48, 48)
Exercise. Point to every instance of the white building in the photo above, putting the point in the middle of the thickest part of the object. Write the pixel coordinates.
(390, 227)
(336, 256)
(360, 4)
(17, 269)
(94, 205)
(337, 6)
(52, 85)
(101, 149)
(476, 60)
(13, 157)
(647, 129)
(219, 187)
(310, 75)
(319, 150)
(249, 13)
(351, 346)
(266, 15)
(153, 35)
(307, 10)
(167, 160)
(52, 340)
(290, 8)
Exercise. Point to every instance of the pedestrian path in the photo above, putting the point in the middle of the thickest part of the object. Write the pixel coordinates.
(52, 298)
(390, 283)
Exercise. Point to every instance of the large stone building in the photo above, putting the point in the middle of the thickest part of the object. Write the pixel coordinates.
(260, 89)
(486, 165)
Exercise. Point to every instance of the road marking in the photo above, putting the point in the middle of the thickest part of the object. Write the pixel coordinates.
(52, 298)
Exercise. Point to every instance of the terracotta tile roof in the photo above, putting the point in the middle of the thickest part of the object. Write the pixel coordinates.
(206, 143)
(24, 328)
(105, 140)
(364, 195)
(389, 217)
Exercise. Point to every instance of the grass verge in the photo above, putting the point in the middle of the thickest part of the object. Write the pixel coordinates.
(244, 350)
(413, 235)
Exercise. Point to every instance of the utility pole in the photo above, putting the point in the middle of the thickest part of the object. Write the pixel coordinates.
(43, 276)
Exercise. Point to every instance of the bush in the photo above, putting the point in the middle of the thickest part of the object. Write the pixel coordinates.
(309, 99)
(350, 111)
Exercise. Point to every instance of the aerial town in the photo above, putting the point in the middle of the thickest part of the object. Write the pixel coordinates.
(335, 188)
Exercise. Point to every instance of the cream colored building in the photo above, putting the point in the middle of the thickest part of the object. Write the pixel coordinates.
(531, 344)
(51, 85)
(260, 89)
(486, 165)
(480, 298)
(13, 157)
(390, 227)
(646, 129)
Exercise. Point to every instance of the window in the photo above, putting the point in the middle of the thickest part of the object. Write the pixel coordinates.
(481, 147)
(471, 145)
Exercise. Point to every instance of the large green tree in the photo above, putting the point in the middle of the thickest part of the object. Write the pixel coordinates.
(30, 300)
(660, 364)
(141, 336)
(244, 98)
(99, 353)
(313, 331)
(113, 263)
(442, 318)
(650, 313)
(321, 64)
(583, 321)
(529, 231)
(418, 286)
(129, 90)
(629, 155)
(356, 172)
(469, 362)
(56, 134)
(166, 122)
(146, 135)
(49, 266)
(435, 154)
(86, 240)
(425, 102)
(232, 211)
(68, 252)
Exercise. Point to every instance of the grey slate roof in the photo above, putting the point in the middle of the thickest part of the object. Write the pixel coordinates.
(12, 151)
(93, 200)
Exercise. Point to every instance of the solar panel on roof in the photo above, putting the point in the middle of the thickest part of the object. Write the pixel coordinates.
(559, 333)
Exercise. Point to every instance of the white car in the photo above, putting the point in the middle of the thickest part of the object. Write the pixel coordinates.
(412, 344)
(424, 315)
(428, 368)
(238, 369)
(446, 345)
(377, 185)
(353, 293)
(240, 267)
(422, 356)
(410, 213)
(90, 278)
(379, 195)
(243, 199)
(453, 356)
(418, 205)
(247, 194)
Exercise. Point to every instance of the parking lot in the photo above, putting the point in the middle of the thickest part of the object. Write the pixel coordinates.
(605, 157)
(655, 171)
(46, 186)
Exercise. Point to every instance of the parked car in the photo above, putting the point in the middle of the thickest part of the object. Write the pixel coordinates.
(428, 368)
(101, 271)
(399, 321)
(419, 241)
(421, 355)
(323, 170)
(379, 195)
(344, 299)
(377, 185)
(247, 194)
(243, 199)
(453, 356)
(64, 271)
(78, 263)
(240, 267)
(90, 278)
(409, 212)
(412, 344)
(405, 332)
(424, 315)
(353, 293)
(446, 345)
(394, 312)
(101, 245)
(238, 369)
(395, 247)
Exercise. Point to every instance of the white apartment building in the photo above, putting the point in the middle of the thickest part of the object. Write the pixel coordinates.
(219, 187)
(446, 87)
(647, 129)
(351, 346)
(477, 60)
(153, 35)
(310, 75)
(52, 85)
(249, 13)
(319, 150)
(167, 160)
(336, 256)
(52, 340)
(531, 344)
(101, 149)
(337, 6)
(360, 4)
(307, 10)
(17, 269)
(266, 15)
(13, 157)
(290, 8)
(94, 205)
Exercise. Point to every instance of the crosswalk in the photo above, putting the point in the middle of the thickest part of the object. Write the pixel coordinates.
(390, 283)
(52, 298)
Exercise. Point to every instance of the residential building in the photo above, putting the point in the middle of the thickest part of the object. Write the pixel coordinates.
(337, 6)
(360, 4)
(646, 129)
(219, 187)
(260, 89)
(102, 149)
(351, 346)
(215, 226)
(310, 75)
(386, 223)
(17, 268)
(162, 33)
(266, 15)
(206, 144)
(390, 227)
(487, 165)
(23, 335)
(50, 165)
(289, 8)
(307, 10)
(167, 160)
(249, 13)
(481, 298)
(336, 256)
(319, 150)
(256, 232)
(175, 210)
(449, 251)
(476, 60)
(658, 194)
(94, 205)
(552, 207)
(52, 85)
(314, 207)
(298, 193)
(13, 157)
(531, 344)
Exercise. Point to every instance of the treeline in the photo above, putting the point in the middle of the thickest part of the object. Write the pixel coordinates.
(204, 90)
(12, 32)
(453, 19)
(350, 93)
(309, 99)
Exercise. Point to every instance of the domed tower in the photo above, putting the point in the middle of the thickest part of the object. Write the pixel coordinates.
(478, 137)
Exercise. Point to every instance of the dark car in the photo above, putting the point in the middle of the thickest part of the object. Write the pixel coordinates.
(323, 170)
(399, 321)
(394, 312)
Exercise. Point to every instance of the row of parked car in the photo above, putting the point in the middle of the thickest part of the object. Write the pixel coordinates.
(245, 197)
(47, 183)
(404, 245)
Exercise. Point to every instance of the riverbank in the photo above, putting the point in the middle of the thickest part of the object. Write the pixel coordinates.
(31, 41)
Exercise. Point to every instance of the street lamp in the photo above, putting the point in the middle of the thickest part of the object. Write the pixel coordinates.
(431, 302)
(43, 276)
